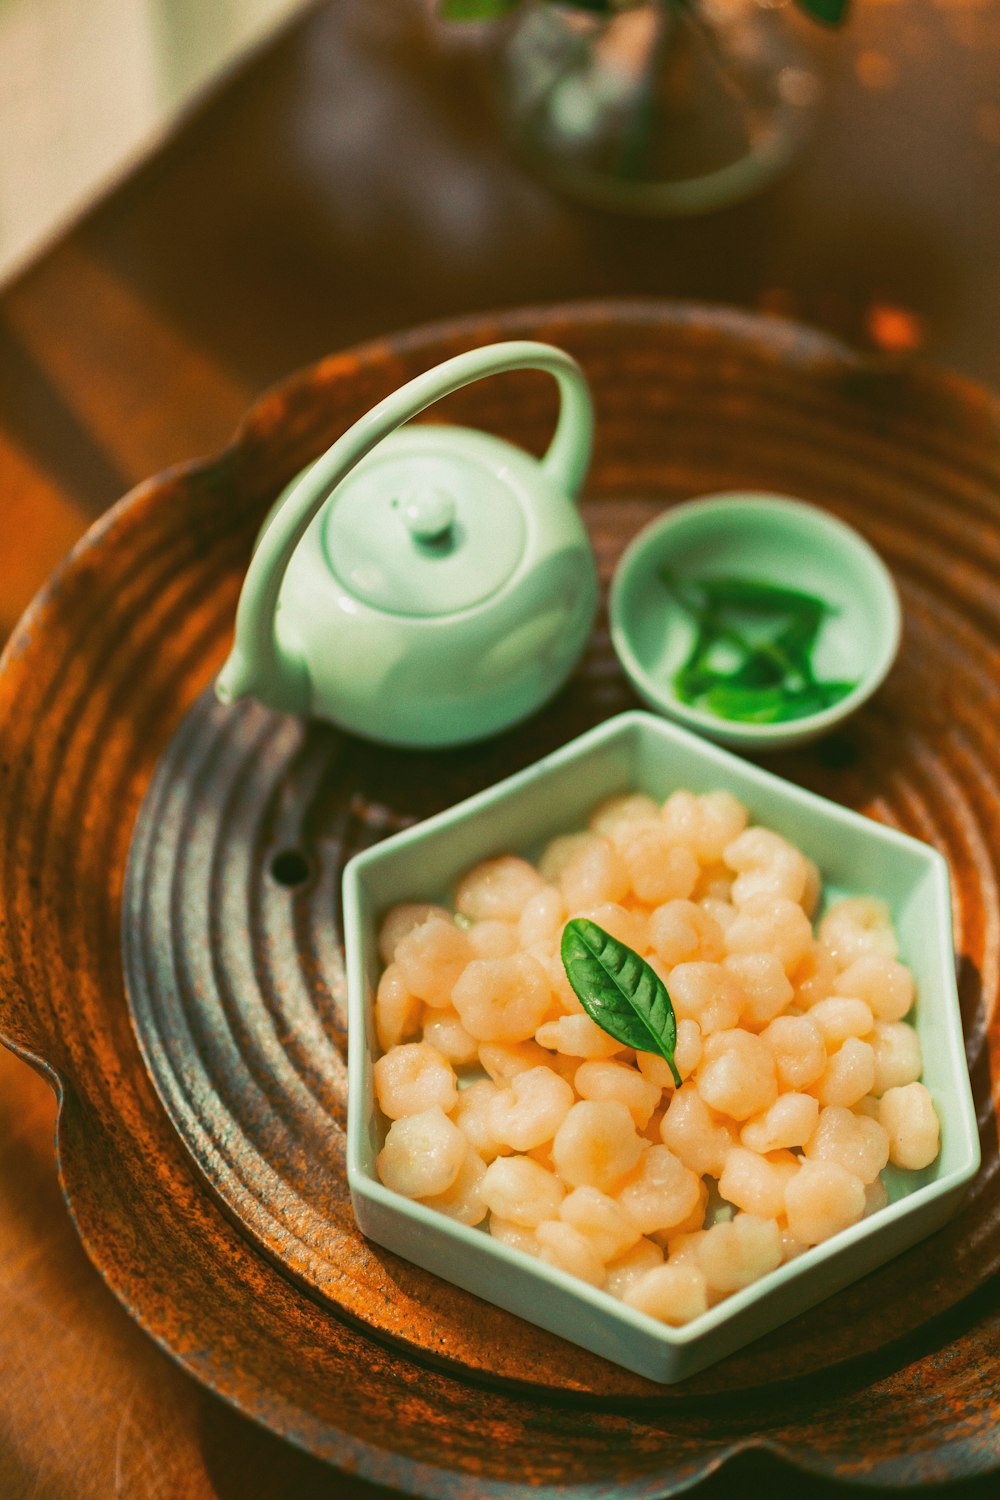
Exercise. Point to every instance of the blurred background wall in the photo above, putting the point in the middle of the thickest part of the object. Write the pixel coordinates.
(88, 87)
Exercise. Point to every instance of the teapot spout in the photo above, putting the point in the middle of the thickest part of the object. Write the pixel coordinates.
(228, 687)
(287, 690)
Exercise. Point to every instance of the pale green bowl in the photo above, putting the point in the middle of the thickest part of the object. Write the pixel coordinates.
(856, 855)
(757, 536)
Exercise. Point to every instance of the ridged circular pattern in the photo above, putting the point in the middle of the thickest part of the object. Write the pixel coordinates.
(236, 970)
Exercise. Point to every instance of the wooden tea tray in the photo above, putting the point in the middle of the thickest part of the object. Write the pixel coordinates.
(224, 1225)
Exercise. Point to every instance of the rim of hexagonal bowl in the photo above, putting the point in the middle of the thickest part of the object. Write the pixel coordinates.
(364, 1184)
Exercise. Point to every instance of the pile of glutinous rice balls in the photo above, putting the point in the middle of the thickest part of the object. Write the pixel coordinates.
(509, 1107)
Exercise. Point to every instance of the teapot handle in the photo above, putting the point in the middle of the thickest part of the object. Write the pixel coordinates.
(256, 665)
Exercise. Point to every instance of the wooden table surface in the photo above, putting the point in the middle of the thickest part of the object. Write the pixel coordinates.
(347, 183)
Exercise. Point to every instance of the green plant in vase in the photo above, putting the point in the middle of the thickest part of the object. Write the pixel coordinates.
(653, 106)
(830, 12)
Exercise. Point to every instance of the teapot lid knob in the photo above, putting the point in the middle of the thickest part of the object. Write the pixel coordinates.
(428, 512)
(430, 525)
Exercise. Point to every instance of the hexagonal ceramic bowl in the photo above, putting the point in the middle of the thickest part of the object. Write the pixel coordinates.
(856, 856)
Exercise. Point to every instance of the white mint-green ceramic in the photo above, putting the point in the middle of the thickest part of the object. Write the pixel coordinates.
(424, 585)
(856, 855)
(759, 536)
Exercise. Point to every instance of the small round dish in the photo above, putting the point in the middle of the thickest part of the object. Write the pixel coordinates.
(760, 537)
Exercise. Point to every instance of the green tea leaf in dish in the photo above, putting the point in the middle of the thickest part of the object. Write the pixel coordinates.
(751, 659)
(755, 595)
(773, 705)
(619, 990)
(748, 705)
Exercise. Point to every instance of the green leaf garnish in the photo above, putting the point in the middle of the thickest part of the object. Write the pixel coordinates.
(619, 990)
(747, 705)
(751, 594)
(751, 660)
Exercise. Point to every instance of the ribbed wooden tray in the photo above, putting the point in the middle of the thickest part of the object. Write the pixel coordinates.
(236, 1249)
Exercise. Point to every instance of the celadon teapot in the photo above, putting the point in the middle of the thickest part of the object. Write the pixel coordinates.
(425, 585)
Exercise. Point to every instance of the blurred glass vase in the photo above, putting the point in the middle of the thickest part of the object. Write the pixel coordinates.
(662, 107)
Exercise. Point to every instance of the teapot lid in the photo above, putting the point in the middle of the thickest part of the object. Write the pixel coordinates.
(425, 529)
